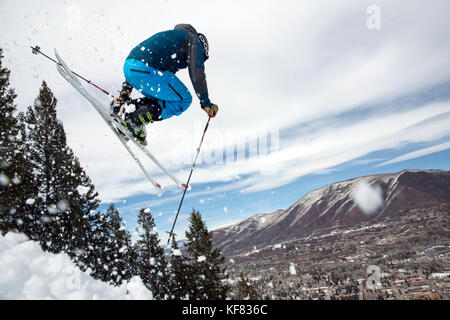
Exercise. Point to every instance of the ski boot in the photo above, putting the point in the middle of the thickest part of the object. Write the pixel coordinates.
(145, 111)
(117, 106)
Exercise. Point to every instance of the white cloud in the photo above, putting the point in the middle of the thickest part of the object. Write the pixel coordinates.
(418, 153)
(331, 146)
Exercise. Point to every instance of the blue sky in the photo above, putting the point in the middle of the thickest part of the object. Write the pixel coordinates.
(221, 208)
(240, 206)
(343, 93)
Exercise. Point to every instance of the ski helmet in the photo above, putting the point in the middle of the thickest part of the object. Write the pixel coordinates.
(205, 45)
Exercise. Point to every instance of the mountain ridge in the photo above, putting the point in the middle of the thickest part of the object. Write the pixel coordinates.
(343, 203)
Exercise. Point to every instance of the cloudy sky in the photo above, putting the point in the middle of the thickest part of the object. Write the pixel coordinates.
(310, 92)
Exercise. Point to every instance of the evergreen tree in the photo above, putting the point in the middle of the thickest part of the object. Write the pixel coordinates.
(14, 169)
(65, 194)
(206, 264)
(178, 276)
(245, 291)
(151, 264)
(110, 255)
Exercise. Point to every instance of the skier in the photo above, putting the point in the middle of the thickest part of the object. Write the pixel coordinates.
(150, 68)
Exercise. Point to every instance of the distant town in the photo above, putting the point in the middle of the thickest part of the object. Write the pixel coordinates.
(404, 256)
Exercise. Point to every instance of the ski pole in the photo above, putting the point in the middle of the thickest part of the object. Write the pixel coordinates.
(37, 50)
(171, 233)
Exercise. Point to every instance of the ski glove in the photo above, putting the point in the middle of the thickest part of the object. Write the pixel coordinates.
(211, 110)
(126, 91)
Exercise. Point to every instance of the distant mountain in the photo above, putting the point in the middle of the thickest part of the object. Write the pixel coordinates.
(339, 204)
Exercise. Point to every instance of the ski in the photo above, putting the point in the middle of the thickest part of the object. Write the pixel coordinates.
(122, 140)
(115, 126)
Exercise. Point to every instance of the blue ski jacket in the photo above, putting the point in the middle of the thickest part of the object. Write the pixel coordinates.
(173, 50)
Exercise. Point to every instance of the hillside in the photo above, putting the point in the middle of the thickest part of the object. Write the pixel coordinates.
(340, 204)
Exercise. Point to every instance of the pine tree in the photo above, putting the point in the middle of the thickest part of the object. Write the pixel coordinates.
(110, 255)
(14, 169)
(65, 194)
(178, 276)
(151, 264)
(206, 264)
(9, 128)
(245, 291)
(24, 220)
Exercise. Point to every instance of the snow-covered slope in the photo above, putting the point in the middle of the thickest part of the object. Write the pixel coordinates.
(340, 204)
(27, 272)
